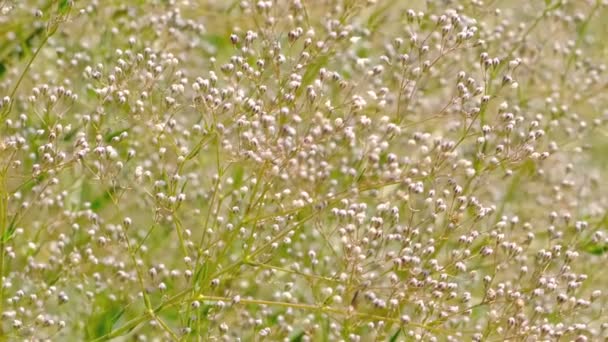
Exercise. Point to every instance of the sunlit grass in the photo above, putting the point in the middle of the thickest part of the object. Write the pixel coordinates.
(303, 170)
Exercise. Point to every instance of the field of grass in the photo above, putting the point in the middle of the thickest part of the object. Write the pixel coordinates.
(303, 170)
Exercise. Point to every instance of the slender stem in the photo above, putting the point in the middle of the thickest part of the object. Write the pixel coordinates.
(3, 217)
(22, 76)
(312, 307)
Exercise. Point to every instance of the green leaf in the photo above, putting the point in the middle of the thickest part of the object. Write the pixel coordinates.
(109, 136)
(297, 337)
(120, 13)
(63, 6)
(100, 201)
(239, 172)
(313, 69)
(9, 232)
(97, 199)
(101, 322)
(71, 134)
(220, 44)
(596, 249)
(395, 335)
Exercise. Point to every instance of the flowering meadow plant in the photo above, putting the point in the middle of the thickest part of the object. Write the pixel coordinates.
(303, 170)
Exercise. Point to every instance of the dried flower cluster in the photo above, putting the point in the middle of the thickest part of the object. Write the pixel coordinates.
(294, 170)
